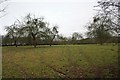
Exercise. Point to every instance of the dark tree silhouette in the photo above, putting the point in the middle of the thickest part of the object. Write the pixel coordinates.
(100, 28)
(111, 8)
(50, 34)
(34, 27)
(14, 31)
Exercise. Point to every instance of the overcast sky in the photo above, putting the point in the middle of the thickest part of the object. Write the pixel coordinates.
(70, 15)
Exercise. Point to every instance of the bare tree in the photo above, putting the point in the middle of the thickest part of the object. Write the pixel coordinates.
(51, 34)
(76, 36)
(14, 31)
(34, 27)
(111, 8)
(100, 28)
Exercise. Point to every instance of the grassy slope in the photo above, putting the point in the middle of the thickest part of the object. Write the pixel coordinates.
(60, 61)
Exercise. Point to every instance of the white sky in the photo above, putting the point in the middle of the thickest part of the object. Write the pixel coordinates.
(70, 15)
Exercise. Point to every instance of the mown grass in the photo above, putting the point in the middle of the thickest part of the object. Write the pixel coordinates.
(74, 61)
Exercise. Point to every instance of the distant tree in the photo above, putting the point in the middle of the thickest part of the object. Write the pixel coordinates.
(62, 38)
(51, 34)
(54, 32)
(14, 32)
(34, 27)
(99, 29)
(76, 36)
(47, 35)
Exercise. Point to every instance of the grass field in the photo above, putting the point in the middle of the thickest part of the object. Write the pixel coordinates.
(73, 61)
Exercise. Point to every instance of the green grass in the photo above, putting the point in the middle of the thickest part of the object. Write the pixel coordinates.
(74, 61)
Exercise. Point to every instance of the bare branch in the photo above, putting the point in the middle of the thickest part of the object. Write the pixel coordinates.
(3, 10)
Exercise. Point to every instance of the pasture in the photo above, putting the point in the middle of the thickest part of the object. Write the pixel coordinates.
(60, 61)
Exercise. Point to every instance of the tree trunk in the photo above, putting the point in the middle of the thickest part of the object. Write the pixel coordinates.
(51, 40)
(34, 42)
(15, 43)
(50, 43)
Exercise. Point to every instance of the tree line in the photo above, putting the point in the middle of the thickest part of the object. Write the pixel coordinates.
(104, 28)
(30, 28)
